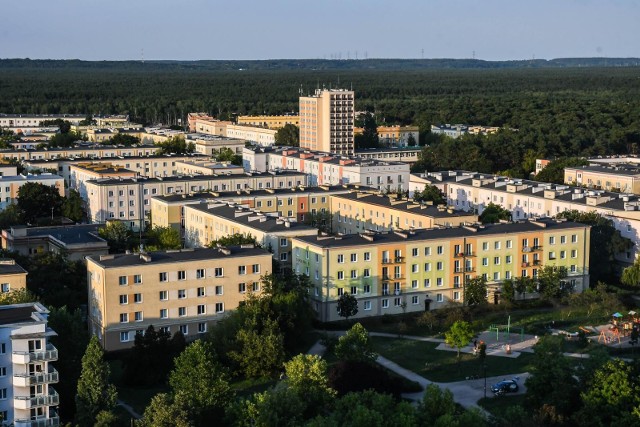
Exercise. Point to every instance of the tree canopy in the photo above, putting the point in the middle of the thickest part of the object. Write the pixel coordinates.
(37, 200)
(459, 335)
(431, 193)
(288, 135)
(494, 213)
(554, 171)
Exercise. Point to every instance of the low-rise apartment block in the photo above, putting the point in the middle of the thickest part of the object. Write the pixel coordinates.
(329, 169)
(210, 145)
(176, 291)
(12, 276)
(28, 397)
(472, 191)
(359, 211)
(457, 130)
(300, 203)
(413, 271)
(257, 135)
(10, 186)
(128, 200)
(394, 136)
(84, 151)
(269, 122)
(31, 120)
(77, 241)
(400, 154)
(205, 223)
(621, 178)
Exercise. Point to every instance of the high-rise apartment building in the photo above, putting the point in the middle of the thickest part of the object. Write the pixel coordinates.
(326, 121)
(26, 396)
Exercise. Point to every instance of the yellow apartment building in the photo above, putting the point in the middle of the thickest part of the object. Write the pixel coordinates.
(269, 122)
(413, 271)
(359, 211)
(620, 178)
(295, 202)
(207, 222)
(184, 291)
(12, 276)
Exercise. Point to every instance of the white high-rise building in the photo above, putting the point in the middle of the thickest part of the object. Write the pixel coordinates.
(26, 396)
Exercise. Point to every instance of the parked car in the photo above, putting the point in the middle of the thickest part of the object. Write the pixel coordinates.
(505, 386)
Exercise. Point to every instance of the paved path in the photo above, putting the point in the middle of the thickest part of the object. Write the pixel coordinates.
(129, 409)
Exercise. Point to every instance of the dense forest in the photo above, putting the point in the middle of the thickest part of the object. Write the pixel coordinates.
(557, 111)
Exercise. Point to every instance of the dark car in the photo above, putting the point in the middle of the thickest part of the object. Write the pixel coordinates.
(505, 386)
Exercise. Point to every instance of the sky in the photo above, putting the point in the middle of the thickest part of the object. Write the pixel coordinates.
(330, 29)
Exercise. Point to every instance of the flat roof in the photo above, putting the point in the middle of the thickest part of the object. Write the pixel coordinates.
(41, 177)
(438, 233)
(22, 313)
(98, 160)
(9, 266)
(187, 178)
(404, 206)
(619, 169)
(252, 219)
(182, 255)
(68, 234)
(329, 158)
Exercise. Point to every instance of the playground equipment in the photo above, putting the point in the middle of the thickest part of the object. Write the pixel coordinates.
(506, 328)
(609, 335)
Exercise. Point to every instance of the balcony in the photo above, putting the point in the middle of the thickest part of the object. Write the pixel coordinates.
(469, 269)
(27, 380)
(50, 354)
(457, 270)
(525, 264)
(459, 255)
(52, 421)
(28, 402)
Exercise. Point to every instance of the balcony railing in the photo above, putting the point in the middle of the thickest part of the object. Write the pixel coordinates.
(22, 357)
(28, 402)
(52, 421)
(457, 270)
(27, 380)
(469, 269)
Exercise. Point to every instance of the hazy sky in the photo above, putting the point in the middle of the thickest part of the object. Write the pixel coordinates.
(264, 29)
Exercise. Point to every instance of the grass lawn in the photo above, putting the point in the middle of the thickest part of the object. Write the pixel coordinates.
(442, 366)
(496, 405)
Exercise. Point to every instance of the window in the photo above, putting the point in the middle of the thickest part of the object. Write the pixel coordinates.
(137, 316)
(137, 279)
(367, 256)
(283, 242)
(202, 328)
(255, 286)
(439, 298)
(414, 252)
(5, 287)
(124, 317)
(219, 307)
(366, 273)
(563, 240)
(242, 269)
(552, 240)
(284, 256)
(574, 253)
(496, 276)
(366, 289)
(485, 246)
(165, 329)
(163, 277)
(182, 311)
(439, 265)
(182, 294)
(124, 337)
(219, 290)
(456, 296)
(200, 273)
(439, 281)
(201, 291)
(354, 257)
(397, 302)
(137, 298)
(563, 254)
(124, 299)
(122, 280)
(255, 268)
(242, 288)
(439, 250)
(414, 284)
(163, 295)
(496, 260)
(574, 238)
(507, 259)
(367, 305)
(340, 275)
(415, 300)
(385, 303)
(163, 313)
(427, 251)
(340, 259)
(354, 290)
(182, 275)
(3, 373)
(509, 244)
(354, 274)
(427, 283)
(485, 261)
(340, 291)
(496, 245)
(552, 255)
(184, 329)
(415, 268)
(202, 309)
(507, 275)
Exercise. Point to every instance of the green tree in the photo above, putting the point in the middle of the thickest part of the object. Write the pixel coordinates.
(58, 281)
(605, 243)
(411, 141)
(235, 239)
(17, 296)
(280, 406)
(95, 393)
(63, 125)
(10, 216)
(306, 376)
(261, 347)
(475, 291)
(107, 419)
(554, 171)
(72, 206)
(355, 346)
(494, 213)
(288, 135)
(117, 235)
(37, 200)
(229, 156)
(551, 282)
(631, 274)
(552, 384)
(369, 136)
(508, 290)
(122, 139)
(175, 145)
(71, 340)
(435, 403)
(347, 305)
(431, 193)
(163, 411)
(66, 139)
(200, 383)
(163, 238)
(88, 121)
(459, 335)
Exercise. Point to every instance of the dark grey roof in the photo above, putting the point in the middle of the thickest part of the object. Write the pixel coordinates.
(618, 169)
(68, 234)
(438, 233)
(384, 201)
(296, 152)
(247, 217)
(187, 178)
(166, 257)
(12, 314)
(9, 266)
